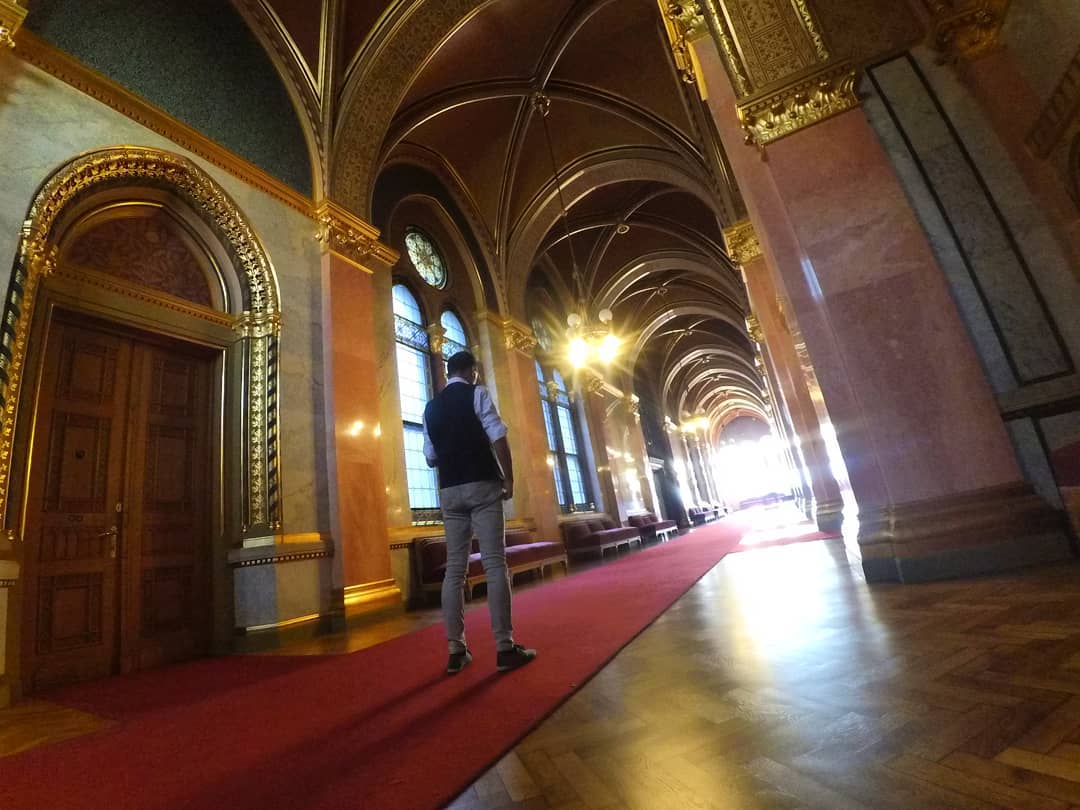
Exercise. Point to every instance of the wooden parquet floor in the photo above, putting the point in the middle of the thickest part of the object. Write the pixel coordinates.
(782, 680)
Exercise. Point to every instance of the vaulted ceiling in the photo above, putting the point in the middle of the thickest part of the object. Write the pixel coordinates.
(451, 87)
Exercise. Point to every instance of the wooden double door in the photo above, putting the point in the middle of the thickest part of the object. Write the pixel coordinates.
(119, 505)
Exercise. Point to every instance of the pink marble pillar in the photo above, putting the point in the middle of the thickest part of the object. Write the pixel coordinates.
(354, 457)
(827, 506)
(937, 483)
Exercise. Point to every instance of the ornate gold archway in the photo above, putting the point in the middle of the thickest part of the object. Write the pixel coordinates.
(255, 317)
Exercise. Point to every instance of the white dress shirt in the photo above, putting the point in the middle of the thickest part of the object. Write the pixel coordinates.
(485, 411)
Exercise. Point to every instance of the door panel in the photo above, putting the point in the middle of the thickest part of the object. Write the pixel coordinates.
(75, 484)
(122, 441)
(169, 492)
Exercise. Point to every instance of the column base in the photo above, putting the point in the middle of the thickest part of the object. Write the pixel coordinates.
(962, 535)
(829, 516)
(370, 596)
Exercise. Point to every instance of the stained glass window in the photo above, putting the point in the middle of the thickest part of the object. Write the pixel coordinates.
(425, 257)
(455, 340)
(414, 390)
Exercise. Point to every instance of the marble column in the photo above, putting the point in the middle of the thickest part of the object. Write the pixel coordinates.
(350, 260)
(937, 484)
(512, 347)
(595, 401)
(827, 506)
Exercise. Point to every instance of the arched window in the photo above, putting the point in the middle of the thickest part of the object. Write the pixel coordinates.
(415, 389)
(455, 340)
(563, 434)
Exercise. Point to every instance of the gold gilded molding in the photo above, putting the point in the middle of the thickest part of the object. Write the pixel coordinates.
(742, 242)
(37, 260)
(811, 29)
(11, 19)
(684, 21)
(966, 30)
(800, 104)
(351, 238)
(72, 72)
(753, 328)
(519, 337)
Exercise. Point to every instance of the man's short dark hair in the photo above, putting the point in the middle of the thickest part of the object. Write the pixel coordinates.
(459, 362)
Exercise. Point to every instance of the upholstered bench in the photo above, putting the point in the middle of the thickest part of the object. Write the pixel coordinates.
(597, 534)
(523, 553)
(652, 528)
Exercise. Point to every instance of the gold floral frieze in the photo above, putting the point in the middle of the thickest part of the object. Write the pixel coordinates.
(350, 237)
(742, 242)
(11, 19)
(966, 29)
(800, 104)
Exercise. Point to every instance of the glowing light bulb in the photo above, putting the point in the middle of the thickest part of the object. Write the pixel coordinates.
(609, 348)
(579, 352)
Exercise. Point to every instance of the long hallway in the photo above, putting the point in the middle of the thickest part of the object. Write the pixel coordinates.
(782, 680)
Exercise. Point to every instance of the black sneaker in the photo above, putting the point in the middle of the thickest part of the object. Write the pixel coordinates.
(458, 661)
(516, 656)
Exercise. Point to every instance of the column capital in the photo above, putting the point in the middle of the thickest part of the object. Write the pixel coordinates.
(802, 102)
(11, 19)
(965, 29)
(519, 337)
(343, 233)
(436, 338)
(685, 22)
(742, 242)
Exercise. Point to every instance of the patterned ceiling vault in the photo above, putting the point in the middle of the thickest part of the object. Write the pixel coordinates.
(392, 98)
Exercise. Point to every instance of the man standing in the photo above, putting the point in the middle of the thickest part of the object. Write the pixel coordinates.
(461, 428)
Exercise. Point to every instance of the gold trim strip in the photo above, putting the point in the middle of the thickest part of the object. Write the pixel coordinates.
(8, 583)
(72, 72)
(275, 559)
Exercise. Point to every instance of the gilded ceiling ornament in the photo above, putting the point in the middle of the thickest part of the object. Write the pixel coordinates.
(822, 95)
(966, 30)
(259, 323)
(742, 242)
(11, 19)
(519, 338)
(350, 237)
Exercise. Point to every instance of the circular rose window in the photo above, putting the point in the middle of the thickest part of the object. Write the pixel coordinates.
(425, 257)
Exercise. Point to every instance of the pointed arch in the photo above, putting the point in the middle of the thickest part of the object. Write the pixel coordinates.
(255, 312)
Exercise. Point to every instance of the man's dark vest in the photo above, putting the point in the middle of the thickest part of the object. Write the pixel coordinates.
(461, 444)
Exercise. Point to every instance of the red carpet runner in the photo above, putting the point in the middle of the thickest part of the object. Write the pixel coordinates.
(383, 727)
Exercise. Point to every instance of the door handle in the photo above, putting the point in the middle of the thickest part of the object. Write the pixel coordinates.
(112, 532)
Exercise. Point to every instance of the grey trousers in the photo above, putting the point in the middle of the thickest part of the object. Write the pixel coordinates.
(468, 509)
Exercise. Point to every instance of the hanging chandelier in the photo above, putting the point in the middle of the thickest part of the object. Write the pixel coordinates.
(588, 341)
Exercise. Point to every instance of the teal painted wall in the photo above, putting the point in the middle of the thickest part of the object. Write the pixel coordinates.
(196, 60)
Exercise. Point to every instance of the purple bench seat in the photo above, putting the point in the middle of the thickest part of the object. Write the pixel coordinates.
(523, 553)
(597, 534)
(652, 527)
